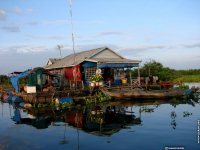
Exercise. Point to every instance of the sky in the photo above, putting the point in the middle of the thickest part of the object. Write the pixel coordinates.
(167, 31)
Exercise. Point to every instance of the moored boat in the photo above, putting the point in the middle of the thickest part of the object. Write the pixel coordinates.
(144, 94)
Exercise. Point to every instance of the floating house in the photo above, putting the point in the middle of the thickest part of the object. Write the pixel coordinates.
(37, 78)
(81, 66)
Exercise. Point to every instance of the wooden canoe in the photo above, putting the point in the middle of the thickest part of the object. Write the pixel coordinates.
(143, 94)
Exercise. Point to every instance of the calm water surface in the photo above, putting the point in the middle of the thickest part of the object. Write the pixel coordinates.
(119, 126)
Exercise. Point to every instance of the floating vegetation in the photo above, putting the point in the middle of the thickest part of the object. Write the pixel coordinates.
(183, 86)
(196, 96)
(54, 105)
(99, 99)
(186, 114)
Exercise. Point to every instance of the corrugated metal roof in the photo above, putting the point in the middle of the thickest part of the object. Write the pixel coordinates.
(53, 60)
(68, 61)
(79, 57)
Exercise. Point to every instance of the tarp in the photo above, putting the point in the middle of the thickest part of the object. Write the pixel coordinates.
(70, 73)
(90, 64)
(117, 65)
(66, 99)
(14, 80)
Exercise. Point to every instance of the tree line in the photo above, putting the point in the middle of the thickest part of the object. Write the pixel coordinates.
(4, 80)
(154, 68)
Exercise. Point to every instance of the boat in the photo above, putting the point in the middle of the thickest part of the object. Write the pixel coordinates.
(143, 94)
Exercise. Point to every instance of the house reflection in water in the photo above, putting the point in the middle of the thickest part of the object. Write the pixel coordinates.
(101, 121)
(39, 122)
(98, 121)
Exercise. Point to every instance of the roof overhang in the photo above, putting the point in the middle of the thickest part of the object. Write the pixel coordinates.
(118, 65)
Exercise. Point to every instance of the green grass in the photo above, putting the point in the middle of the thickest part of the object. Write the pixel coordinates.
(188, 78)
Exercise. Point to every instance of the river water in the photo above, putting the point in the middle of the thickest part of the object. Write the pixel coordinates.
(120, 125)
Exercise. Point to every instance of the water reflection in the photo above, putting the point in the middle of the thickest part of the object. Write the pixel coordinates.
(101, 121)
(187, 114)
(105, 126)
(173, 117)
(98, 120)
(108, 120)
(39, 122)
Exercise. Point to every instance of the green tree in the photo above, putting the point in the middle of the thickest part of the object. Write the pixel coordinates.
(4, 80)
(154, 68)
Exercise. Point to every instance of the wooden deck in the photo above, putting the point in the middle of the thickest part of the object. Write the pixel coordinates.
(47, 97)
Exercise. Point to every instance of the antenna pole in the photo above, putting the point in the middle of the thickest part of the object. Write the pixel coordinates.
(72, 29)
(59, 48)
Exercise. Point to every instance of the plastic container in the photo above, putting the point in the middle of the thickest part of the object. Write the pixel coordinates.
(124, 81)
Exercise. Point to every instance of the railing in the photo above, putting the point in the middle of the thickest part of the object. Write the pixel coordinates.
(135, 84)
(71, 84)
(76, 84)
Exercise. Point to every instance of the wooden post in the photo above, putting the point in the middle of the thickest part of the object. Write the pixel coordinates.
(75, 76)
(139, 74)
(130, 76)
(76, 84)
(82, 85)
(140, 112)
(109, 84)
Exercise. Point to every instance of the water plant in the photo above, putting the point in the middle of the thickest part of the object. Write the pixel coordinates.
(96, 78)
(99, 99)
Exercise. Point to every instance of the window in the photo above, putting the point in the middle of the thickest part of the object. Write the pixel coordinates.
(90, 71)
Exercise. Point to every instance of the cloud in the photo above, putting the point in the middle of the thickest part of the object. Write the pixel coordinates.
(61, 21)
(32, 23)
(110, 33)
(56, 22)
(25, 49)
(17, 10)
(196, 45)
(2, 14)
(143, 48)
(29, 49)
(11, 28)
(3, 50)
(29, 10)
(47, 22)
(53, 37)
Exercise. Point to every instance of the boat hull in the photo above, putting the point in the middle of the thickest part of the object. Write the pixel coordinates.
(144, 94)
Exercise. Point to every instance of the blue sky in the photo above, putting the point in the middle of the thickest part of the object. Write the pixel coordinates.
(167, 31)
